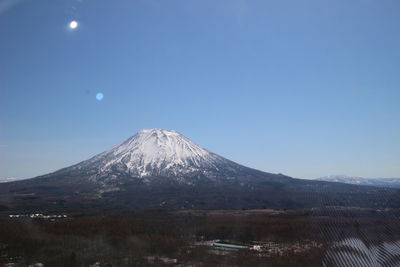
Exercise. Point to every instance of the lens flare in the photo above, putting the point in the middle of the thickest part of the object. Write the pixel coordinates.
(99, 96)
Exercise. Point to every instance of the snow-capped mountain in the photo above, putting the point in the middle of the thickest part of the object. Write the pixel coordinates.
(342, 179)
(381, 182)
(159, 153)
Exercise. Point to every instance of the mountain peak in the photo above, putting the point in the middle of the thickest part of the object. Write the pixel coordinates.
(157, 131)
(157, 148)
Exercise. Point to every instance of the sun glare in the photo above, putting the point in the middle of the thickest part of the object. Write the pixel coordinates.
(73, 24)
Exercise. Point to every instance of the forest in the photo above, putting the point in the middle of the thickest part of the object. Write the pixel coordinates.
(179, 238)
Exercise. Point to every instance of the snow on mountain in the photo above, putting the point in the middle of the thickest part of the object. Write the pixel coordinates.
(382, 182)
(158, 153)
(342, 179)
(6, 180)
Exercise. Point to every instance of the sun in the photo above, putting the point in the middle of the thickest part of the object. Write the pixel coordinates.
(73, 24)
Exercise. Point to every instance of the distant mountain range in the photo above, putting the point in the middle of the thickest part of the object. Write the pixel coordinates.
(6, 180)
(163, 169)
(381, 182)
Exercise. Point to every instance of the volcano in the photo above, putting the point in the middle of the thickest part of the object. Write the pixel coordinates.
(164, 169)
(158, 153)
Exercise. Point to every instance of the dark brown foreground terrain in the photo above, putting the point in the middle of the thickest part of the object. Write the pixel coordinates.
(185, 238)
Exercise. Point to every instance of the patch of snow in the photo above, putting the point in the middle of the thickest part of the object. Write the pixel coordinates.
(6, 180)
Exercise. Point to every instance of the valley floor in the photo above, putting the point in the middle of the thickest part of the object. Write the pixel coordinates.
(312, 237)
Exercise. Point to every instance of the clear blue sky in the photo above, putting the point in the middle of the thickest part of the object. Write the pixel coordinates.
(305, 88)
